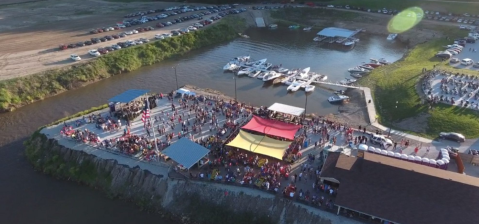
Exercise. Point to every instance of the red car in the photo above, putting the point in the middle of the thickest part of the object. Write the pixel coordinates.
(63, 47)
(159, 25)
(102, 50)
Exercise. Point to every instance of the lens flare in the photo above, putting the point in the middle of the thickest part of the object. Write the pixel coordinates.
(405, 20)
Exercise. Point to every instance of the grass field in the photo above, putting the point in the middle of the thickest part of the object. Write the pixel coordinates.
(397, 83)
(452, 6)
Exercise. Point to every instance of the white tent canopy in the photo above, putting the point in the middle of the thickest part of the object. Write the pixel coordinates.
(363, 147)
(286, 109)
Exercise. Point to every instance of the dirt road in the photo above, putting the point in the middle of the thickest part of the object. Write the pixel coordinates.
(31, 32)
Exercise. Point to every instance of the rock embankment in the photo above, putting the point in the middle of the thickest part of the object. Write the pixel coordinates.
(183, 200)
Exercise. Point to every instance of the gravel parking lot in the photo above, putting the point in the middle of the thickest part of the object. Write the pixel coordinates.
(31, 32)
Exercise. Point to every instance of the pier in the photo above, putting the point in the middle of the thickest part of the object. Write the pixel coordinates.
(336, 84)
(336, 35)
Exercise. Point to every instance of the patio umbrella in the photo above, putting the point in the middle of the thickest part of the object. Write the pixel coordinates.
(362, 147)
(446, 161)
(404, 156)
(372, 149)
(397, 155)
(378, 151)
(390, 153)
(411, 157)
(418, 158)
(384, 152)
(432, 162)
(440, 162)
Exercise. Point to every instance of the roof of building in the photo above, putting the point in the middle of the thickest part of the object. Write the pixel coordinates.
(128, 96)
(286, 109)
(272, 127)
(336, 32)
(185, 152)
(401, 191)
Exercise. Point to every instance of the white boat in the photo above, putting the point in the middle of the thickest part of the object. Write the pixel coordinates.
(246, 71)
(265, 66)
(357, 70)
(309, 88)
(294, 86)
(241, 59)
(317, 39)
(380, 61)
(254, 74)
(307, 28)
(271, 75)
(231, 66)
(304, 73)
(392, 36)
(256, 63)
(347, 81)
(337, 98)
(289, 80)
(349, 43)
(356, 75)
(323, 78)
(261, 75)
(273, 26)
(282, 70)
(368, 67)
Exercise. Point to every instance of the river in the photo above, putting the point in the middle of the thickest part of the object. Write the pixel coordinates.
(30, 197)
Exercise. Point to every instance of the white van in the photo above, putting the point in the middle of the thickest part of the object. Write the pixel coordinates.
(467, 61)
(381, 140)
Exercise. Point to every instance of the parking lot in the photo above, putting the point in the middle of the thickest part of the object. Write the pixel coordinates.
(471, 51)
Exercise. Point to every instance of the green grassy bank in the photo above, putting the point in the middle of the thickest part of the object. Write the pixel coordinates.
(398, 83)
(451, 6)
(21, 91)
(301, 16)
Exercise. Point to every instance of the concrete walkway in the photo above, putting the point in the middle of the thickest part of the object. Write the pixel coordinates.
(374, 121)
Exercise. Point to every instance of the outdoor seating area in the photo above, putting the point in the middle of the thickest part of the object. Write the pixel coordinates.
(455, 89)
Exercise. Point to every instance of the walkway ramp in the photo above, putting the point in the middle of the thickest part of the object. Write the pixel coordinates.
(260, 22)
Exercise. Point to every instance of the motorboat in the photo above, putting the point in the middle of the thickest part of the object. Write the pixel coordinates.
(289, 80)
(293, 27)
(309, 88)
(374, 65)
(347, 81)
(357, 70)
(304, 73)
(231, 66)
(265, 66)
(368, 67)
(317, 39)
(294, 86)
(256, 63)
(246, 71)
(392, 36)
(254, 73)
(273, 26)
(261, 75)
(241, 59)
(282, 70)
(340, 92)
(380, 61)
(356, 75)
(271, 75)
(337, 98)
(349, 43)
(307, 28)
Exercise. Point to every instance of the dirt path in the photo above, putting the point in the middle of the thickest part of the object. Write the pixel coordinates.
(31, 32)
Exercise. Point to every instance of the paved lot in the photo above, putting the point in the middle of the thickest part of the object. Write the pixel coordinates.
(454, 90)
(470, 51)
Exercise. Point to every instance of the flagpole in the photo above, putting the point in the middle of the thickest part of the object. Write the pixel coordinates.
(154, 137)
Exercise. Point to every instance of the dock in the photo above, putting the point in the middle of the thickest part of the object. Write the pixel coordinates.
(336, 35)
(336, 84)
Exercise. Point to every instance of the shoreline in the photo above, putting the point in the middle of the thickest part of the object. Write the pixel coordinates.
(20, 91)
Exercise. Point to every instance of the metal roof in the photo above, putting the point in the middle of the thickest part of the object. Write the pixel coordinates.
(336, 32)
(185, 152)
(287, 109)
(128, 96)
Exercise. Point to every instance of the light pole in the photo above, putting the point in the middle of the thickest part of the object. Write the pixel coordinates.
(389, 135)
(305, 106)
(236, 99)
(176, 77)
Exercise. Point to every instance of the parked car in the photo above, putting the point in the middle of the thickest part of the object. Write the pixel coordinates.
(63, 47)
(467, 61)
(159, 36)
(381, 140)
(95, 40)
(454, 60)
(115, 36)
(88, 42)
(94, 52)
(75, 57)
(102, 50)
(109, 49)
(80, 44)
(72, 46)
(144, 40)
(116, 47)
(122, 35)
(452, 136)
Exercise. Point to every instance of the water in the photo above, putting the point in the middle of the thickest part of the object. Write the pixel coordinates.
(30, 197)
